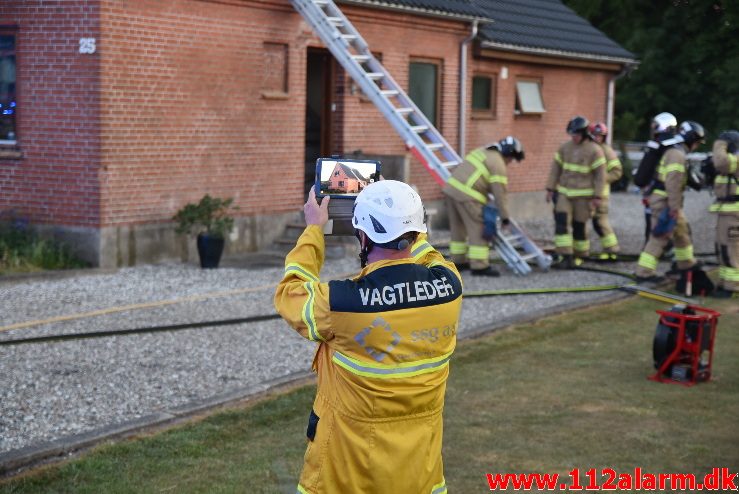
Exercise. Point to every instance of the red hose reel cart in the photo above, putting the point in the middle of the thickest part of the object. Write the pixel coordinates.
(683, 344)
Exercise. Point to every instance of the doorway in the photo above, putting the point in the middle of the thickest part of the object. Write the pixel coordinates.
(319, 106)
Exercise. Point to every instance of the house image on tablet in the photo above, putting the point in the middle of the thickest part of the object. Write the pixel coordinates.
(345, 179)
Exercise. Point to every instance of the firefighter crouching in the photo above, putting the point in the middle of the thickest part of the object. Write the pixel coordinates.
(472, 221)
(666, 203)
(577, 179)
(614, 171)
(384, 342)
(725, 151)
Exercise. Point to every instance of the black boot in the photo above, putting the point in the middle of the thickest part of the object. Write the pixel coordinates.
(488, 271)
(563, 261)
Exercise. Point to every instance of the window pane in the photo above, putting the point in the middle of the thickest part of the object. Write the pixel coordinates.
(529, 97)
(422, 88)
(481, 91)
(7, 87)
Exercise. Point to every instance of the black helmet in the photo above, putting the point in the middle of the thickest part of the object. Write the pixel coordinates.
(578, 125)
(732, 138)
(692, 132)
(510, 146)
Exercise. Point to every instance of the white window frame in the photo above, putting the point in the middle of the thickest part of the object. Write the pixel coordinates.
(529, 100)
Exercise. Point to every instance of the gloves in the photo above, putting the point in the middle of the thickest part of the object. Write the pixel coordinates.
(489, 219)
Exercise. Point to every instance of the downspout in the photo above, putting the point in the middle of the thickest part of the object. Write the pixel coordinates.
(463, 87)
(611, 99)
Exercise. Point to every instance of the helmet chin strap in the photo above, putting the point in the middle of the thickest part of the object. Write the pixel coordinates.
(365, 247)
(368, 244)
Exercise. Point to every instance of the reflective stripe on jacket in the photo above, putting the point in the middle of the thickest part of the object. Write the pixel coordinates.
(614, 170)
(671, 174)
(384, 340)
(578, 170)
(725, 186)
(483, 171)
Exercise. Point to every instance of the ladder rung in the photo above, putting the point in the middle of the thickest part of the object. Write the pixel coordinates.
(434, 146)
(512, 238)
(404, 111)
(533, 255)
(375, 75)
(336, 21)
(390, 92)
(349, 37)
(320, 2)
(418, 129)
(358, 58)
(447, 164)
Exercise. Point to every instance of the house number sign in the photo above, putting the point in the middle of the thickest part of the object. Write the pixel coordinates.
(87, 45)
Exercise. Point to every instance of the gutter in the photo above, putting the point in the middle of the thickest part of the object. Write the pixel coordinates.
(462, 133)
(557, 53)
(611, 98)
(380, 4)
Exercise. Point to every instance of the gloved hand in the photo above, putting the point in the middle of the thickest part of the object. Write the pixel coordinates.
(489, 219)
(665, 223)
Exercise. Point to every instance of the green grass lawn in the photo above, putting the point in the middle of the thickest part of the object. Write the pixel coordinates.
(565, 392)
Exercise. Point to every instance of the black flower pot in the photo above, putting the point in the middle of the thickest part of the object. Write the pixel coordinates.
(210, 248)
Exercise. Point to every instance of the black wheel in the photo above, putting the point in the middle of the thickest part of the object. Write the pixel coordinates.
(663, 345)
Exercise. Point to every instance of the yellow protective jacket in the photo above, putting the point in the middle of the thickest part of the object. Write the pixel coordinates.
(578, 170)
(614, 170)
(384, 342)
(483, 171)
(725, 186)
(671, 180)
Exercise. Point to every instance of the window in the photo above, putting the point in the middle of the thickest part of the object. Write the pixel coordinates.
(341, 183)
(423, 88)
(483, 95)
(528, 98)
(8, 104)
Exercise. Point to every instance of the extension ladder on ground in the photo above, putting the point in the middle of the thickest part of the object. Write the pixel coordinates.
(423, 140)
(507, 245)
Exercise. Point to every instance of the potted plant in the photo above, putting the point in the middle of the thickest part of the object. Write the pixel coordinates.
(210, 220)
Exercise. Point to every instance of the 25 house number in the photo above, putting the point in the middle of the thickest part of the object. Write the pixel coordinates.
(87, 45)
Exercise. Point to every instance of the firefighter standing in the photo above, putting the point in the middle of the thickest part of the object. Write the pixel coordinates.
(725, 151)
(666, 203)
(384, 342)
(614, 171)
(482, 172)
(577, 178)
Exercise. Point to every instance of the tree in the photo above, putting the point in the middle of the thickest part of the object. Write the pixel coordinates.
(689, 60)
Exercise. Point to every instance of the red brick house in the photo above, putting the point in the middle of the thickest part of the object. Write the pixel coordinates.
(346, 180)
(122, 112)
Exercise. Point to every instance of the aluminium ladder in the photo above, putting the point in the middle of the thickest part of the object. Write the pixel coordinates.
(507, 248)
(421, 138)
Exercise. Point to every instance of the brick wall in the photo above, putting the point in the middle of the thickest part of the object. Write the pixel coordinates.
(183, 109)
(55, 181)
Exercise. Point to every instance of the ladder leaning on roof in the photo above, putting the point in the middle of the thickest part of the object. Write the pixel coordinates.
(423, 140)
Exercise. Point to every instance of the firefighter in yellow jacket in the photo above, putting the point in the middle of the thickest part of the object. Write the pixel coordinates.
(576, 183)
(614, 171)
(384, 341)
(666, 202)
(482, 172)
(726, 188)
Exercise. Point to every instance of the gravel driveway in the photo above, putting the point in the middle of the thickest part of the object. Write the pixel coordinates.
(59, 391)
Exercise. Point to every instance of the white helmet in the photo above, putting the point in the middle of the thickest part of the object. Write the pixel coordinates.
(387, 209)
(664, 122)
